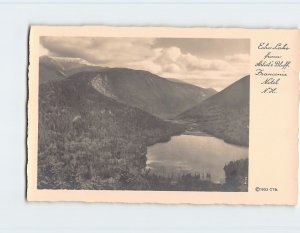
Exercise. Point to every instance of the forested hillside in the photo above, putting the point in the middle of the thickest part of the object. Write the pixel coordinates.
(225, 114)
(90, 141)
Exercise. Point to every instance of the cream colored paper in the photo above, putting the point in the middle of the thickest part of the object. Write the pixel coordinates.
(273, 130)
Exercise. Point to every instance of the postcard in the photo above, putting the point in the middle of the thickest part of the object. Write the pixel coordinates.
(163, 115)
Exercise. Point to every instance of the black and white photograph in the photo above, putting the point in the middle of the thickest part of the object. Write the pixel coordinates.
(152, 114)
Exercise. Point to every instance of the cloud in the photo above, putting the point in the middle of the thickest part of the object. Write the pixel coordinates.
(241, 57)
(99, 50)
(143, 53)
(174, 59)
(192, 62)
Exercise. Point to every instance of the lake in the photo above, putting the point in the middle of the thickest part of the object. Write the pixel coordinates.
(195, 154)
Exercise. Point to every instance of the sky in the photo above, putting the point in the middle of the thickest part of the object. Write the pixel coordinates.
(209, 63)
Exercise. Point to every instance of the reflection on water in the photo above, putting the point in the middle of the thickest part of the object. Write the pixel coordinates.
(193, 154)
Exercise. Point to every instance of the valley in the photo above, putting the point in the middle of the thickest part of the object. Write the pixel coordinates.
(96, 125)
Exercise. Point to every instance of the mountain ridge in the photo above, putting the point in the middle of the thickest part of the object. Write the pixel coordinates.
(225, 114)
(138, 88)
(149, 92)
(56, 68)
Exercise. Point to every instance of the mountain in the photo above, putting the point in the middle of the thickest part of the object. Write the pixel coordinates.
(144, 90)
(159, 96)
(88, 140)
(176, 80)
(50, 70)
(56, 68)
(225, 114)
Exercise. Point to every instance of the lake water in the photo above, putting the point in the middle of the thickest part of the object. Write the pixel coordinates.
(193, 154)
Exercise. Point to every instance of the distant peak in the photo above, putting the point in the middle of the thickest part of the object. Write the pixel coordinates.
(68, 59)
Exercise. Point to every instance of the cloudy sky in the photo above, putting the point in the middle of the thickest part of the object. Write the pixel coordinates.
(214, 63)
